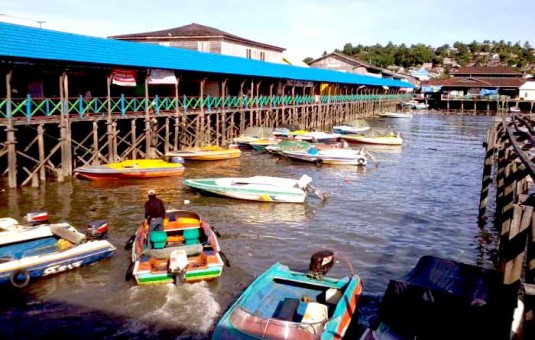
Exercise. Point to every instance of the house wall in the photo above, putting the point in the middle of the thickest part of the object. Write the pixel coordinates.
(527, 94)
(240, 50)
(336, 64)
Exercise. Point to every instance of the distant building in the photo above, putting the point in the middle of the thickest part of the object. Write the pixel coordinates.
(421, 74)
(207, 39)
(343, 63)
(477, 81)
(527, 90)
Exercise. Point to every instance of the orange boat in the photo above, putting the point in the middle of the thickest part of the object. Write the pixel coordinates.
(131, 169)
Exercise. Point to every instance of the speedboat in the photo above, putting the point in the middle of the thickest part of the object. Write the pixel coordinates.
(257, 188)
(328, 156)
(318, 137)
(352, 126)
(252, 134)
(205, 153)
(375, 136)
(131, 169)
(32, 251)
(186, 250)
(396, 114)
(286, 304)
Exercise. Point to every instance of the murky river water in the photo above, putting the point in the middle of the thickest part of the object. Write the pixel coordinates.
(421, 199)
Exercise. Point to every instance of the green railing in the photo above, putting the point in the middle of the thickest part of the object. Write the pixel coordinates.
(30, 107)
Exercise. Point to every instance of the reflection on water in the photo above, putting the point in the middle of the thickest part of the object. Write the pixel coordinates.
(420, 199)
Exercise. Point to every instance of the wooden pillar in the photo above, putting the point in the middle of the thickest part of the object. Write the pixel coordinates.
(293, 119)
(258, 112)
(148, 130)
(109, 128)
(487, 170)
(133, 137)
(275, 123)
(177, 117)
(96, 150)
(61, 172)
(166, 146)
(202, 137)
(283, 112)
(10, 142)
(242, 105)
(41, 147)
(223, 113)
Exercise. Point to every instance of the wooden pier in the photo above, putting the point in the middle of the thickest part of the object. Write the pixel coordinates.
(510, 150)
(49, 137)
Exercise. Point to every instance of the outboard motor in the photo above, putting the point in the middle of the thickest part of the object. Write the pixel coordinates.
(176, 159)
(97, 229)
(36, 218)
(320, 263)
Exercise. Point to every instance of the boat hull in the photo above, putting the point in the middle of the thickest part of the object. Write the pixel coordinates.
(381, 140)
(59, 261)
(131, 169)
(258, 311)
(259, 192)
(206, 155)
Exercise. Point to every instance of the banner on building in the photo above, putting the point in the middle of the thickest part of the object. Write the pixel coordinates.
(159, 76)
(123, 77)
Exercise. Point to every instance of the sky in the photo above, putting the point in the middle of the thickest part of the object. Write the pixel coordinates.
(305, 28)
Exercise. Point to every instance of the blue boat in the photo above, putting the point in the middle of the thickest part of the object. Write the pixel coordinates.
(30, 252)
(285, 304)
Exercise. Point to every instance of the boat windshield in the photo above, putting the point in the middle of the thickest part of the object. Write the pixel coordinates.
(268, 328)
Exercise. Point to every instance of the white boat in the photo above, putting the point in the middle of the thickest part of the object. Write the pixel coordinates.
(515, 109)
(396, 114)
(257, 188)
(328, 156)
(30, 252)
(352, 126)
(318, 137)
(252, 134)
(415, 105)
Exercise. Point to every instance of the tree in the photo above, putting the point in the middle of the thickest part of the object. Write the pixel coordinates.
(308, 60)
(348, 49)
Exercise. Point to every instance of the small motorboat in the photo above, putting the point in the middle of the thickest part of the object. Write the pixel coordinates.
(252, 134)
(414, 105)
(445, 299)
(261, 144)
(257, 188)
(37, 249)
(352, 126)
(328, 156)
(515, 109)
(396, 114)
(375, 136)
(131, 169)
(318, 137)
(186, 250)
(205, 153)
(286, 304)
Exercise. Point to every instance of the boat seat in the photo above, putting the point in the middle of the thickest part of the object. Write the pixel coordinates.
(315, 314)
(158, 239)
(191, 236)
(287, 309)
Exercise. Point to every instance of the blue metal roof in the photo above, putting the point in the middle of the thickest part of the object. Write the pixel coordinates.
(37, 43)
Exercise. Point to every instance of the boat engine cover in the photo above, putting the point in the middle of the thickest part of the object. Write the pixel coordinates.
(97, 229)
(178, 261)
(320, 263)
(36, 218)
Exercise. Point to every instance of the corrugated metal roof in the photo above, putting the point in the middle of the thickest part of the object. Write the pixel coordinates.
(37, 43)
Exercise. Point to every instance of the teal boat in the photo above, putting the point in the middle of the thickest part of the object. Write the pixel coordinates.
(285, 304)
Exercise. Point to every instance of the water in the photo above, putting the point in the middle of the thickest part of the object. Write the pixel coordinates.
(421, 199)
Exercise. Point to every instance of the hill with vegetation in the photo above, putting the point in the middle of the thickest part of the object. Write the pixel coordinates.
(520, 56)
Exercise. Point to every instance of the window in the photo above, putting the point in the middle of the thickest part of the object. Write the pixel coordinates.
(249, 53)
(263, 56)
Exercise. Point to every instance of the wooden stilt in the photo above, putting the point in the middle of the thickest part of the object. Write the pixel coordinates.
(41, 146)
(10, 142)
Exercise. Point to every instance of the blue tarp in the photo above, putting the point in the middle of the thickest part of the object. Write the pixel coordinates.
(430, 89)
(488, 92)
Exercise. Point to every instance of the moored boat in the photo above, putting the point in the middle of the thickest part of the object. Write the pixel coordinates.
(257, 188)
(131, 169)
(205, 153)
(252, 134)
(29, 252)
(396, 114)
(286, 304)
(186, 250)
(352, 126)
(375, 136)
(328, 156)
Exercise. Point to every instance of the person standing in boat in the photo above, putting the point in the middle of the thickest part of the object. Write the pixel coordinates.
(154, 211)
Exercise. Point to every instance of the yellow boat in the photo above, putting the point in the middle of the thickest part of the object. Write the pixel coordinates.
(205, 153)
(390, 139)
(131, 169)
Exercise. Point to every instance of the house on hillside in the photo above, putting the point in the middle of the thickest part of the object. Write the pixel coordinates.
(527, 90)
(421, 74)
(207, 39)
(474, 82)
(343, 63)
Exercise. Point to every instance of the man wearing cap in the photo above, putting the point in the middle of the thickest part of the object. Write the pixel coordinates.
(154, 211)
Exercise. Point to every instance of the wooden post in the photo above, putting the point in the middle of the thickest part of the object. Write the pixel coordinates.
(133, 137)
(516, 237)
(177, 115)
(242, 114)
(166, 146)
(203, 136)
(487, 170)
(10, 142)
(96, 150)
(223, 113)
(41, 147)
(148, 135)
(62, 138)
(275, 124)
(109, 130)
(258, 112)
(251, 96)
